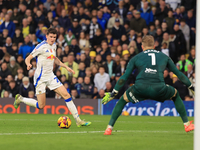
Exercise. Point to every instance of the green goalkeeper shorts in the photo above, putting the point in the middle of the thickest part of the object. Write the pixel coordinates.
(158, 92)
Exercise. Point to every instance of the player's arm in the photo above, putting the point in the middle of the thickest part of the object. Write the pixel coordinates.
(36, 51)
(58, 62)
(180, 75)
(122, 80)
(28, 61)
(120, 83)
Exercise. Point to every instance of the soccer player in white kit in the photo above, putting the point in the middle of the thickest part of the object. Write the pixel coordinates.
(45, 54)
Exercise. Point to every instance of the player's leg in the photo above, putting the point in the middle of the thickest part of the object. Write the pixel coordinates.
(41, 100)
(169, 92)
(180, 107)
(41, 97)
(116, 113)
(70, 104)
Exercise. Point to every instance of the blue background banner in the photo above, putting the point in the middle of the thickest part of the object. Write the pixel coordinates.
(150, 108)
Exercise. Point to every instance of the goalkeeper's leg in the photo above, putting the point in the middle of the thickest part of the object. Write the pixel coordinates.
(181, 110)
(116, 113)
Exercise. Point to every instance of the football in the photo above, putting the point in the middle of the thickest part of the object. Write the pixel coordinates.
(125, 113)
(64, 122)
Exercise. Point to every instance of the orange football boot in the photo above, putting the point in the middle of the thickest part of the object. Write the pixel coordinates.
(108, 131)
(190, 127)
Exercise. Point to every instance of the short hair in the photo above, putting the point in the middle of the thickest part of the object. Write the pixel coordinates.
(148, 41)
(5, 30)
(164, 43)
(122, 59)
(145, 28)
(25, 79)
(71, 54)
(98, 30)
(33, 60)
(12, 81)
(113, 48)
(86, 77)
(31, 92)
(109, 54)
(52, 31)
(182, 20)
(101, 66)
(7, 55)
(94, 17)
(88, 69)
(14, 44)
(17, 28)
(193, 47)
(55, 20)
(73, 89)
(19, 55)
(81, 63)
(41, 22)
(59, 47)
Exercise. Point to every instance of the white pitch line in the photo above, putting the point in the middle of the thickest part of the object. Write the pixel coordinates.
(92, 121)
(83, 132)
(27, 120)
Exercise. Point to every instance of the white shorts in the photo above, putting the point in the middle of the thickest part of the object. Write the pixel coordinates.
(53, 83)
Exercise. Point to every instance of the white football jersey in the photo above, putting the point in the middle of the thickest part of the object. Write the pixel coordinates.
(45, 55)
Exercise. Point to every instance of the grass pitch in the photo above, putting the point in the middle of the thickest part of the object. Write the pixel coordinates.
(40, 132)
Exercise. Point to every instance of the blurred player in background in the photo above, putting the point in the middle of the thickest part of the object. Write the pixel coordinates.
(149, 83)
(45, 54)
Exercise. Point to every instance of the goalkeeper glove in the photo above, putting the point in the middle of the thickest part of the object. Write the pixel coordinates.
(109, 96)
(191, 88)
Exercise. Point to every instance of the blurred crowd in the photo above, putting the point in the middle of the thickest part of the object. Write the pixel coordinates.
(96, 38)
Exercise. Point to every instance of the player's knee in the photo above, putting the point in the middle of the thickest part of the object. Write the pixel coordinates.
(41, 106)
(66, 95)
(125, 97)
(175, 95)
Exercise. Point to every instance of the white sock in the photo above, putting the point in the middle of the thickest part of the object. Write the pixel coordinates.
(72, 108)
(30, 102)
(109, 126)
(187, 123)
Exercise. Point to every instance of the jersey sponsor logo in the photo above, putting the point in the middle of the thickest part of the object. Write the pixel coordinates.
(149, 70)
(51, 57)
(133, 97)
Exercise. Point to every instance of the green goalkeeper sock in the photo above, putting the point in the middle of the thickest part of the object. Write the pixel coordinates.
(180, 107)
(117, 111)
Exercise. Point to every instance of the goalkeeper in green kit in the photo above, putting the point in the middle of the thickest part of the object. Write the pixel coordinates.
(149, 83)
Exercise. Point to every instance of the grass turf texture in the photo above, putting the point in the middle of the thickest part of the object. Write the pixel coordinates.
(35, 132)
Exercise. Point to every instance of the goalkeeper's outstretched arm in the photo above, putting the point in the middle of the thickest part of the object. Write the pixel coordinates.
(122, 80)
(180, 75)
(120, 83)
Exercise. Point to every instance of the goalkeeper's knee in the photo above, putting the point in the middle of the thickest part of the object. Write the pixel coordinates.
(125, 98)
(175, 95)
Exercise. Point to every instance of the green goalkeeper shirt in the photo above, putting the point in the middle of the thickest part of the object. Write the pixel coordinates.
(151, 65)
